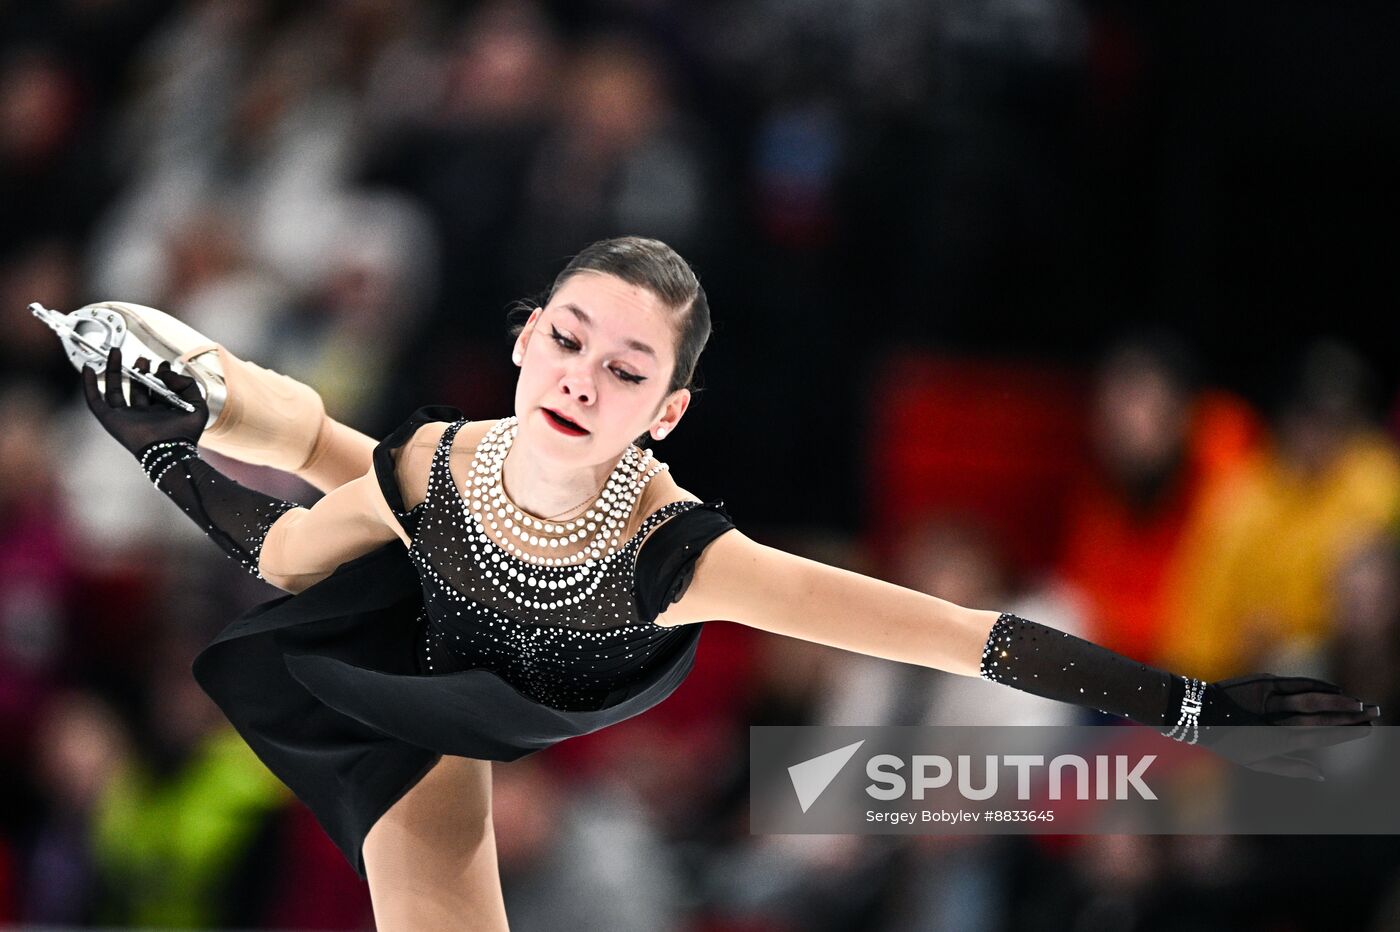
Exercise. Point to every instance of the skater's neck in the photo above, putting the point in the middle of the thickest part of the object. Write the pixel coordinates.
(546, 489)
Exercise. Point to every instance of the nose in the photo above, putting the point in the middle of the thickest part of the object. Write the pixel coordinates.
(578, 386)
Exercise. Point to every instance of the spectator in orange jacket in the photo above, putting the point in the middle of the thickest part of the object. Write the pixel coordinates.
(1160, 445)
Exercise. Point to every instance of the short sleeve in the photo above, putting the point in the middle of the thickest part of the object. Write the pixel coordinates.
(666, 561)
(385, 465)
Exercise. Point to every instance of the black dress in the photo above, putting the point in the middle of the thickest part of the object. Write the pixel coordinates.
(341, 689)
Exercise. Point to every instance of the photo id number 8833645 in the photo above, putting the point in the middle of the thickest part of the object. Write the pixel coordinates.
(961, 815)
(1019, 815)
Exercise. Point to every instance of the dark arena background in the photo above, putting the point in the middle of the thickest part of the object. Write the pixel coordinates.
(1078, 309)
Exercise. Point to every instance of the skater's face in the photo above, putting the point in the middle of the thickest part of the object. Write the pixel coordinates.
(600, 354)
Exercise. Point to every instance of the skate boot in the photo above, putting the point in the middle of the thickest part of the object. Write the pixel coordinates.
(255, 415)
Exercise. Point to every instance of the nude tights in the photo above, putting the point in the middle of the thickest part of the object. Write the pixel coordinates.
(341, 454)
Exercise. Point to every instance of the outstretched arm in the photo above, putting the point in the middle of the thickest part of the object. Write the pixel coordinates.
(738, 579)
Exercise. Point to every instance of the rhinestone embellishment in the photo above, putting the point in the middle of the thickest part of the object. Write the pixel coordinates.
(559, 621)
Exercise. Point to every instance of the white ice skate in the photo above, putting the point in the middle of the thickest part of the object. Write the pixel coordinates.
(255, 415)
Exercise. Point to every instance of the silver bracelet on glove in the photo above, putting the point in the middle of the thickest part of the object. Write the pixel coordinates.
(156, 450)
(1189, 722)
(159, 457)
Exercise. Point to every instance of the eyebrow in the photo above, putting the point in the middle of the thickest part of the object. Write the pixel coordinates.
(587, 321)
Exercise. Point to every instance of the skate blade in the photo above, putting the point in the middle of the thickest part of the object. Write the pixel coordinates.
(89, 333)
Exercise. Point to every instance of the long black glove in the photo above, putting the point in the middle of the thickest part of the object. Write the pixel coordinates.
(163, 438)
(1060, 666)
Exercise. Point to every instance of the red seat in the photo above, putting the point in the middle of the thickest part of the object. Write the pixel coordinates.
(993, 440)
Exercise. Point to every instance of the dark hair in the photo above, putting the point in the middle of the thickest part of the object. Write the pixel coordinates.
(650, 264)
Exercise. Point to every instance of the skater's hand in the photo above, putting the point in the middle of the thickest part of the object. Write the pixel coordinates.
(1325, 712)
(1265, 699)
(146, 420)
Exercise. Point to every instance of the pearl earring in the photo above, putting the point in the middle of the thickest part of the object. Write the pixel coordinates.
(661, 432)
(515, 357)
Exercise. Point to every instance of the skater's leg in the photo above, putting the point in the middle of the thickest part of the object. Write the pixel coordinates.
(274, 420)
(341, 453)
(431, 859)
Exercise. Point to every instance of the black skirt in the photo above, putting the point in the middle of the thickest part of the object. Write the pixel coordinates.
(324, 686)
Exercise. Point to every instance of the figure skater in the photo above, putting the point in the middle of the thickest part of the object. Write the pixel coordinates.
(471, 591)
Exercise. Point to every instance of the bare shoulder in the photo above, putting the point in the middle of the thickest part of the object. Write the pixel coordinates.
(661, 491)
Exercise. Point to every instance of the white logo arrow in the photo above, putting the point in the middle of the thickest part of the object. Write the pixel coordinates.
(811, 777)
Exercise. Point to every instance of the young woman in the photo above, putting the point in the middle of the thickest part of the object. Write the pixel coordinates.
(472, 591)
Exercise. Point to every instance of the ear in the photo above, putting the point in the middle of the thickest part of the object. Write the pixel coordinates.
(672, 410)
(517, 355)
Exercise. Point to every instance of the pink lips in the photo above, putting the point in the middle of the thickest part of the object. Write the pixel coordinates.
(558, 422)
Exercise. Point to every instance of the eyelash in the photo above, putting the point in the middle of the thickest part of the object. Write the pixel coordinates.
(569, 345)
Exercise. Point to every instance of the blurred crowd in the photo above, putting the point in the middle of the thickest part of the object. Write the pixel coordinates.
(354, 192)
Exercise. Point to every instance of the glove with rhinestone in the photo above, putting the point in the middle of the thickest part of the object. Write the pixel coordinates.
(145, 421)
(1265, 699)
(1060, 666)
(163, 438)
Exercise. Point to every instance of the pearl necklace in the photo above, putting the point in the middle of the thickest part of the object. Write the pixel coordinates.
(598, 530)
